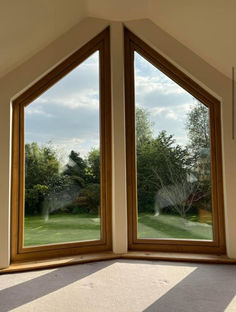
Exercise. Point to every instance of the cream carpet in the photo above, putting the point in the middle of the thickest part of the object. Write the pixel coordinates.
(122, 285)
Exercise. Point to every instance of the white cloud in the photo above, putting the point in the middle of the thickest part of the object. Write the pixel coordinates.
(73, 103)
(171, 115)
(38, 110)
(177, 112)
(63, 147)
(86, 99)
(147, 84)
(40, 100)
(157, 110)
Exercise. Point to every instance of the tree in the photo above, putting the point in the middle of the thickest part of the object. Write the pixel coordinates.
(85, 173)
(76, 169)
(41, 176)
(155, 157)
(89, 198)
(93, 165)
(179, 195)
(41, 165)
(197, 125)
(47, 189)
(143, 127)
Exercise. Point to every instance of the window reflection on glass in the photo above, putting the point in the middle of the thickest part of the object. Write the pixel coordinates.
(173, 158)
(62, 160)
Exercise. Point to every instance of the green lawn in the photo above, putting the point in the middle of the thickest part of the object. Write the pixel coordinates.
(172, 226)
(62, 228)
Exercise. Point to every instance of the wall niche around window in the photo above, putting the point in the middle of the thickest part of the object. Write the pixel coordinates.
(174, 174)
(61, 182)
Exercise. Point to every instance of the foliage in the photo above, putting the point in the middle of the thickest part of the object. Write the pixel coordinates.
(41, 165)
(48, 190)
(155, 157)
(143, 127)
(172, 178)
(76, 169)
(41, 176)
(169, 176)
(197, 126)
(34, 197)
(93, 166)
(89, 199)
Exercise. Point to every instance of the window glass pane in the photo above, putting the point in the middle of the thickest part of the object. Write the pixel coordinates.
(173, 158)
(62, 160)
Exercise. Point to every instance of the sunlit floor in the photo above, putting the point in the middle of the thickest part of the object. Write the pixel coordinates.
(122, 285)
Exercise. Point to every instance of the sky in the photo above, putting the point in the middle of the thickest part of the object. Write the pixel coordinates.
(165, 101)
(67, 115)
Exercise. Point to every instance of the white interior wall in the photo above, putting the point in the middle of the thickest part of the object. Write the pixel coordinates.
(205, 27)
(29, 26)
(22, 77)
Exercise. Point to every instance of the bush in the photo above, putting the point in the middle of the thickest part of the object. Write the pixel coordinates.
(34, 198)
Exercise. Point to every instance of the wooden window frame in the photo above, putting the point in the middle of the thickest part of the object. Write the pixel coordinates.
(100, 43)
(132, 43)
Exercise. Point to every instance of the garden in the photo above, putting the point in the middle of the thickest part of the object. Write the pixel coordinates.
(62, 201)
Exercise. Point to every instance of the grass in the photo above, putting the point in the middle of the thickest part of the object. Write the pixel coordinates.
(62, 228)
(172, 226)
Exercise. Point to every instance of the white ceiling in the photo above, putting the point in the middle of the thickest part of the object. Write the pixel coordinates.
(207, 27)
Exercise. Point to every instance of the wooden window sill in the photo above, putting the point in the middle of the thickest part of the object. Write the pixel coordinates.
(177, 256)
(93, 257)
(19, 266)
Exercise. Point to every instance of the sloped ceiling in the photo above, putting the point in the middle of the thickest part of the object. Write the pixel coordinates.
(27, 26)
(206, 27)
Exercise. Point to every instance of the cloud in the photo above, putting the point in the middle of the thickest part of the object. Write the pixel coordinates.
(148, 84)
(67, 115)
(168, 104)
(81, 123)
(82, 78)
(31, 110)
(174, 112)
(167, 113)
(171, 115)
(80, 146)
(157, 110)
(87, 98)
